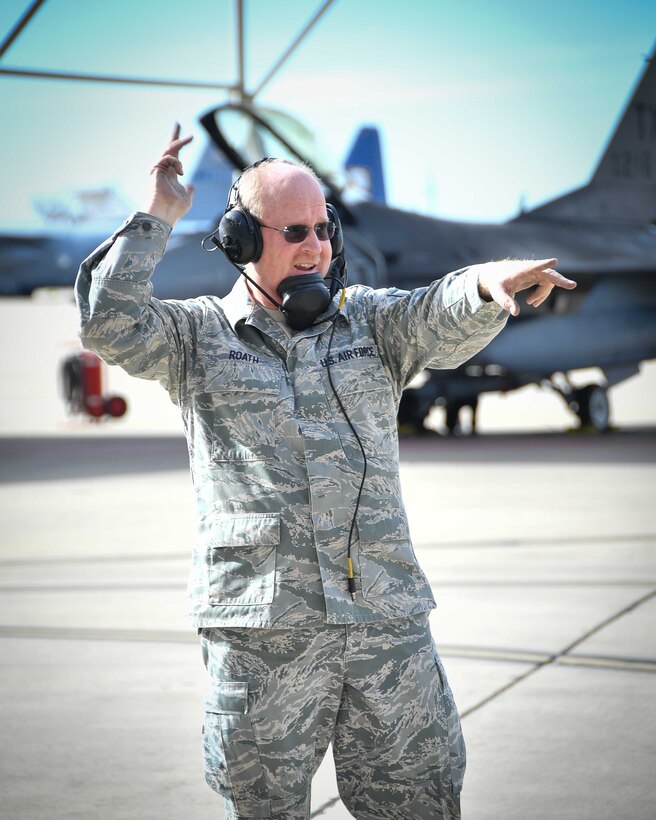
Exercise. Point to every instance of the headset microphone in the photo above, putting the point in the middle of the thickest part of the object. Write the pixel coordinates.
(304, 298)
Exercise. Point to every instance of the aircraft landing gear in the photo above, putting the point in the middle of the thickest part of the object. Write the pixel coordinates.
(452, 420)
(591, 405)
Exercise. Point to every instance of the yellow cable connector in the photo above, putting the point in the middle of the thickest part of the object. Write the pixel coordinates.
(351, 579)
(342, 299)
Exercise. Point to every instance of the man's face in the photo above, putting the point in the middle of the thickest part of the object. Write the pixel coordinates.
(292, 197)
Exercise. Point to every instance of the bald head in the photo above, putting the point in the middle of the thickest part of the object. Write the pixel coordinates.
(275, 180)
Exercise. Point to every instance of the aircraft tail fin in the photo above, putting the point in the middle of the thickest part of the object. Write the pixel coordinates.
(630, 155)
(623, 185)
(364, 161)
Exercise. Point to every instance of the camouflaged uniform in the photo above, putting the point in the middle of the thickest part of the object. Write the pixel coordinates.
(276, 472)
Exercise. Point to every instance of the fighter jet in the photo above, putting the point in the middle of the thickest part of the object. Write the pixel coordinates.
(604, 235)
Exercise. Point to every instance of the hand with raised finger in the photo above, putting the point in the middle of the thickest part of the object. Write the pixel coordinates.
(500, 281)
(169, 199)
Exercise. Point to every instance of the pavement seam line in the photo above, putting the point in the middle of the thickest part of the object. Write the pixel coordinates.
(527, 657)
(100, 634)
(468, 653)
(325, 806)
(556, 540)
(564, 652)
(642, 600)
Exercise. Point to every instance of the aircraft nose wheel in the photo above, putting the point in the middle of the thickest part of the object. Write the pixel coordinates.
(590, 403)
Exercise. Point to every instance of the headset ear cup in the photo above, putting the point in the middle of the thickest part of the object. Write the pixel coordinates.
(240, 237)
(337, 242)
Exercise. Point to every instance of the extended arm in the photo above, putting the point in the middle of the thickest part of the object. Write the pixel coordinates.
(445, 324)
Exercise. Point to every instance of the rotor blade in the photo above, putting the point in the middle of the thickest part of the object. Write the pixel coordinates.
(101, 78)
(20, 25)
(292, 47)
(241, 80)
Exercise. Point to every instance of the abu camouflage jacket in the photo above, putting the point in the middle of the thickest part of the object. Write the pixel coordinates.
(275, 466)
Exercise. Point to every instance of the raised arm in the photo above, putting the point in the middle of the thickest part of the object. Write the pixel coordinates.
(168, 199)
(119, 319)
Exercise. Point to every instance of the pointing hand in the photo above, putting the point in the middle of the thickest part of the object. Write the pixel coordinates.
(500, 281)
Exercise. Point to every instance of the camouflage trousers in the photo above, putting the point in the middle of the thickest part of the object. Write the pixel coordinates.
(377, 691)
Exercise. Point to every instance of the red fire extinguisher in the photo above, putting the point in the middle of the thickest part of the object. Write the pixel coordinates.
(81, 380)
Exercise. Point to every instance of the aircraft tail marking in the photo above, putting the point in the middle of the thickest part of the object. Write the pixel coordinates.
(631, 152)
(365, 156)
(623, 186)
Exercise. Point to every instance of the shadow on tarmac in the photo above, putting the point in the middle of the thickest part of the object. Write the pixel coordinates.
(635, 446)
(54, 458)
(51, 459)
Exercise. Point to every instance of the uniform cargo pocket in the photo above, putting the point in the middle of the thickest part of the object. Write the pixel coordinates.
(232, 762)
(242, 559)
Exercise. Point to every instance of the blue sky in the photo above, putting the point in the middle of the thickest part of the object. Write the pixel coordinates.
(481, 104)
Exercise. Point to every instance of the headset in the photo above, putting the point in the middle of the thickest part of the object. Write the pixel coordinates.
(239, 236)
(239, 233)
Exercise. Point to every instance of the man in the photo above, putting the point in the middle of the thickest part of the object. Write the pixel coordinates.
(312, 610)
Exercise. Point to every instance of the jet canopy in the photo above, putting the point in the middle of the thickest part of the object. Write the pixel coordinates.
(245, 135)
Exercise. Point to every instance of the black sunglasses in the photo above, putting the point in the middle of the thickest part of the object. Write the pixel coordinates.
(297, 233)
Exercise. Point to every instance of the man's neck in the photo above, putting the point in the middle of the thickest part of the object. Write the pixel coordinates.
(259, 298)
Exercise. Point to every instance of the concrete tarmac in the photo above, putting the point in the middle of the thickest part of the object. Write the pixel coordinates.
(541, 551)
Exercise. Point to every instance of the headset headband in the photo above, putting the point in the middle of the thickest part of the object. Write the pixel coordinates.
(239, 233)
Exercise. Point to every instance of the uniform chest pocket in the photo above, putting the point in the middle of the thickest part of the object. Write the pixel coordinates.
(356, 375)
(243, 395)
(366, 395)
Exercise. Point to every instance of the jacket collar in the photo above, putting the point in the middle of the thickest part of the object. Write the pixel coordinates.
(238, 303)
(239, 307)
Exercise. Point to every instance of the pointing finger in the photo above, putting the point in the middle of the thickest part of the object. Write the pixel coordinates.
(545, 269)
(175, 142)
(556, 279)
(540, 294)
(544, 264)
